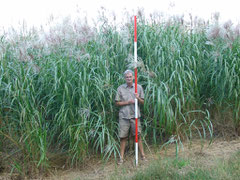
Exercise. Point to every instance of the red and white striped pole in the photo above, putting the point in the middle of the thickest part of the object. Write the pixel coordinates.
(136, 100)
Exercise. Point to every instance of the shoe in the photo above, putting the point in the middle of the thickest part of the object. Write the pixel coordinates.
(120, 162)
(144, 159)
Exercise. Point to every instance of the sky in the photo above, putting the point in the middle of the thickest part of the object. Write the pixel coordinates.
(38, 12)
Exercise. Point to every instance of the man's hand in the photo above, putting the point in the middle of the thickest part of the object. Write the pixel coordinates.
(141, 101)
(137, 95)
(131, 101)
(124, 103)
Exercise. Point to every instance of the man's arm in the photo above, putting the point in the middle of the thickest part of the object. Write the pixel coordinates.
(140, 100)
(140, 96)
(124, 103)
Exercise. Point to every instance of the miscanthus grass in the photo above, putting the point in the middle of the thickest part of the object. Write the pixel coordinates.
(57, 88)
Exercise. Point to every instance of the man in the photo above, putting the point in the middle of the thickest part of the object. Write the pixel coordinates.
(125, 99)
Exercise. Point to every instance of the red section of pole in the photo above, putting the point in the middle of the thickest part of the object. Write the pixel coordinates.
(136, 136)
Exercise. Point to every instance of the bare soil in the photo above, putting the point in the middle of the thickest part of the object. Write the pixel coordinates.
(198, 150)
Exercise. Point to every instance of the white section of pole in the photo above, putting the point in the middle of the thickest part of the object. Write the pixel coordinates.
(136, 108)
(135, 54)
(136, 153)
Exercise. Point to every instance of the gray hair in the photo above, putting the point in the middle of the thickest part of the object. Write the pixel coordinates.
(127, 72)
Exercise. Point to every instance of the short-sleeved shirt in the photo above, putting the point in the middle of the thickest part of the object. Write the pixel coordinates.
(126, 93)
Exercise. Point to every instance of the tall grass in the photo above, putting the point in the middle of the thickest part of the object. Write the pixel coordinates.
(57, 88)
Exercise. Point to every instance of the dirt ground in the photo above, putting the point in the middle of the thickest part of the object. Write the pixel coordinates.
(197, 150)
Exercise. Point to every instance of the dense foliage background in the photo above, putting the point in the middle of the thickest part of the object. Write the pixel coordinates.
(57, 87)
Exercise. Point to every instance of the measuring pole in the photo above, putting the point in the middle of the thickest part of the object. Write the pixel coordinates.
(136, 100)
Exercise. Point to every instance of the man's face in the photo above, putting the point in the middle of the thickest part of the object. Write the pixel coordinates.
(129, 78)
